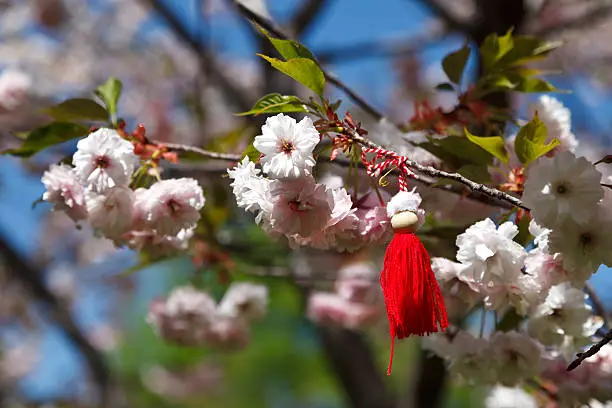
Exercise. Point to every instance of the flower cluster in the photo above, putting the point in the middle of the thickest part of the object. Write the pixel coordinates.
(97, 189)
(507, 358)
(191, 317)
(353, 305)
(289, 202)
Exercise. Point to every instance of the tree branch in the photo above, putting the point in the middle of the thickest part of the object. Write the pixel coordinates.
(235, 94)
(594, 349)
(307, 13)
(440, 174)
(351, 359)
(32, 279)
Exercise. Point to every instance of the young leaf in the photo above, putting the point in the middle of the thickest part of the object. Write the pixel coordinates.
(78, 109)
(288, 49)
(530, 142)
(492, 144)
(495, 48)
(454, 64)
(47, 136)
(303, 70)
(276, 103)
(252, 153)
(524, 236)
(110, 92)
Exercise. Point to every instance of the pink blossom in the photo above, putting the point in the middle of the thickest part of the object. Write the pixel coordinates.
(65, 191)
(299, 207)
(329, 308)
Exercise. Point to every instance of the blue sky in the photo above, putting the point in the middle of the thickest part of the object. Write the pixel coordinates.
(345, 23)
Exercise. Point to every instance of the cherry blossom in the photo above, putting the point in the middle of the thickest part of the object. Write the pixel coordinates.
(111, 213)
(562, 187)
(172, 205)
(508, 397)
(287, 146)
(104, 160)
(64, 190)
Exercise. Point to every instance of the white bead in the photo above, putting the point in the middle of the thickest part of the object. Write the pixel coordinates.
(405, 221)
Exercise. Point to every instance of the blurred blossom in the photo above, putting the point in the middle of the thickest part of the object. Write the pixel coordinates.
(244, 300)
(16, 362)
(14, 89)
(185, 317)
(202, 379)
(333, 309)
(506, 397)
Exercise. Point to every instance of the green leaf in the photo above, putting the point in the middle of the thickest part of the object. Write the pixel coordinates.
(303, 70)
(530, 142)
(110, 92)
(495, 48)
(252, 153)
(535, 85)
(78, 109)
(276, 103)
(47, 136)
(446, 86)
(492, 144)
(454, 64)
(475, 172)
(524, 236)
(288, 49)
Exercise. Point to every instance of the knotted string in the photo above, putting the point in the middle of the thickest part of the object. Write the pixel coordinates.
(386, 159)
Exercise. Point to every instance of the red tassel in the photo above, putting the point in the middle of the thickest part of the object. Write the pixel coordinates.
(414, 302)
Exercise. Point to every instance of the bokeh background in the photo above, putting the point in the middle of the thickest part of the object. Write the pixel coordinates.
(72, 307)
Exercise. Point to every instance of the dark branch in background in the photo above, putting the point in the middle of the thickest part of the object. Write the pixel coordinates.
(391, 48)
(235, 94)
(331, 78)
(429, 385)
(31, 279)
(594, 349)
(307, 13)
(351, 359)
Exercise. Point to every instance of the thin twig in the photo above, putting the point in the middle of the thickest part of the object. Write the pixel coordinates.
(331, 78)
(594, 349)
(202, 152)
(440, 174)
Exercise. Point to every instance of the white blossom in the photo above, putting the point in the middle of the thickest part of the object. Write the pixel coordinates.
(507, 397)
(490, 252)
(244, 300)
(185, 317)
(64, 190)
(563, 313)
(558, 121)
(111, 213)
(252, 191)
(287, 146)
(172, 205)
(104, 160)
(460, 292)
(584, 247)
(562, 187)
(470, 358)
(516, 357)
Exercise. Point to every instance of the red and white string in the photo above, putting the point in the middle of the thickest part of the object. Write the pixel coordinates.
(384, 159)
